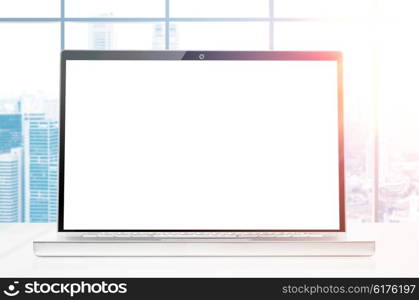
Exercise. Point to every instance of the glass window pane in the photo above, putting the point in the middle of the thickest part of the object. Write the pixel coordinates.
(342, 36)
(29, 60)
(29, 56)
(121, 36)
(222, 35)
(323, 8)
(115, 8)
(355, 41)
(398, 8)
(219, 8)
(29, 8)
(399, 126)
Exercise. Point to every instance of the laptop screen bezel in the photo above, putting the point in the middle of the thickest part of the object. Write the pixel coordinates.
(203, 55)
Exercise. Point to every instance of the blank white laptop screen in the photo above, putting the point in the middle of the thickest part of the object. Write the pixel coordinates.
(201, 145)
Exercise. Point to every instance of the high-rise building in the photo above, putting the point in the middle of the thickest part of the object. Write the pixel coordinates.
(11, 162)
(41, 167)
(159, 41)
(173, 37)
(10, 131)
(11, 186)
(101, 35)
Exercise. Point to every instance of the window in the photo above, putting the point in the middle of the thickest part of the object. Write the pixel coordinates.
(375, 36)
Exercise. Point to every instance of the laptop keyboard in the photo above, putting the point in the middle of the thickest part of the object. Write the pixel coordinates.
(202, 235)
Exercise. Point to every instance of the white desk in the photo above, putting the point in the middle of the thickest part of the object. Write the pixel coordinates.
(397, 255)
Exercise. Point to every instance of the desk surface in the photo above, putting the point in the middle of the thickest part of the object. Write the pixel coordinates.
(397, 255)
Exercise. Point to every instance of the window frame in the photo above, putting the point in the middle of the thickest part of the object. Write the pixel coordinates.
(270, 21)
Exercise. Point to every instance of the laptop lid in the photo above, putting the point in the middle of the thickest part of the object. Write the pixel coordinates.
(201, 141)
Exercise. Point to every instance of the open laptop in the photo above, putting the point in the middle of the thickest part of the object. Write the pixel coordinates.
(201, 153)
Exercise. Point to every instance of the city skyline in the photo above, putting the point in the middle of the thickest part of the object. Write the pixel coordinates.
(28, 160)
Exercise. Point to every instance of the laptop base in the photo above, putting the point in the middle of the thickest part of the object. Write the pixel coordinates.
(203, 248)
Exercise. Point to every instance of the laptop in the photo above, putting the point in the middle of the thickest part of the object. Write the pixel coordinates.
(202, 153)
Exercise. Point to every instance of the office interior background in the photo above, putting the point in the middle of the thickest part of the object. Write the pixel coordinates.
(378, 39)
